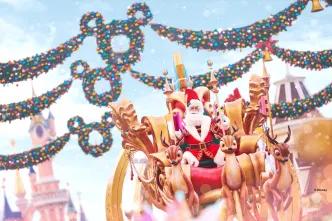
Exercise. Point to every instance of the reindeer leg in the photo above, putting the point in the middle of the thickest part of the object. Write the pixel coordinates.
(254, 202)
(244, 196)
(288, 199)
(269, 198)
(193, 203)
(277, 198)
(229, 202)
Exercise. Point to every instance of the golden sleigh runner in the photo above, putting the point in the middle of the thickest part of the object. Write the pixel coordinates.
(250, 191)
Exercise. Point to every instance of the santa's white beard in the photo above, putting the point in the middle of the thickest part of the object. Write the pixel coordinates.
(194, 119)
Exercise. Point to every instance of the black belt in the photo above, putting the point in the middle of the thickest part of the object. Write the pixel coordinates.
(200, 146)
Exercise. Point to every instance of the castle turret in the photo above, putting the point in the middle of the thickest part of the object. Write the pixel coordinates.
(71, 210)
(51, 124)
(20, 192)
(82, 214)
(8, 213)
(33, 179)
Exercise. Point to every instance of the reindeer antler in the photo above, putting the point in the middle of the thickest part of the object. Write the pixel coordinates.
(272, 140)
(173, 142)
(288, 135)
(163, 141)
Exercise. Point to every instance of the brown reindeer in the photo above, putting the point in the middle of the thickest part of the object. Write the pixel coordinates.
(177, 179)
(277, 187)
(233, 179)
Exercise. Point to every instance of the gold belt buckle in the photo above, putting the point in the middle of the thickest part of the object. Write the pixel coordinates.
(202, 146)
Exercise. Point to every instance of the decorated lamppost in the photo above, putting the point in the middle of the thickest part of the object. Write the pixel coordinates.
(213, 83)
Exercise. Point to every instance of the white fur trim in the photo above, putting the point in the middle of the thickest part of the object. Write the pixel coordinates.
(189, 158)
(219, 159)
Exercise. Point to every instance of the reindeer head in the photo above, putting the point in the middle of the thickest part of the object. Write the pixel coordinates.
(228, 144)
(173, 152)
(280, 151)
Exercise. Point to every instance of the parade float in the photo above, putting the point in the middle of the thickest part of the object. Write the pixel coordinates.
(210, 150)
(204, 147)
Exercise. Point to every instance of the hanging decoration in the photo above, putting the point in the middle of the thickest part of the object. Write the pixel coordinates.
(313, 60)
(149, 80)
(121, 61)
(31, 67)
(236, 37)
(224, 75)
(90, 77)
(300, 106)
(267, 48)
(77, 126)
(32, 106)
(33, 156)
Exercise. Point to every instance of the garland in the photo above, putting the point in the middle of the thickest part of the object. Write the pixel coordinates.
(121, 61)
(33, 156)
(40, 154)
(90, 77)
(31, 67)
(237, 37)
(313, 60)
(231, 72)
(301, 106)
(77, 126)
(224, 75)
(32, 106)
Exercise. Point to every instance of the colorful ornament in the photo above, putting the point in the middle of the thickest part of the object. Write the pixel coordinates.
(32, 106)
(236, 37)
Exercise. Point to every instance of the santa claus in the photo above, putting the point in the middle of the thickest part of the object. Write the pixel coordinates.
(201, 145)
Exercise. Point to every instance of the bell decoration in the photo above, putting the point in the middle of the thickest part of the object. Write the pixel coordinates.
(267, 55)
(316, 6)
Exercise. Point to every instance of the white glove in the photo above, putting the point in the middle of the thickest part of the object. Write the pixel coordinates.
(189, 158)
(219, 158)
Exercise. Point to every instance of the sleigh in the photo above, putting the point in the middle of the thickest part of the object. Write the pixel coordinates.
(149, 134)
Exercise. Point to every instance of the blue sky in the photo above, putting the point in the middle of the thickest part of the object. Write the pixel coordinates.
(32, 26)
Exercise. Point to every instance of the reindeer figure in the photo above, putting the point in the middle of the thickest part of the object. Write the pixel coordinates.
(177, 179)
(277, 187)
(234, 186)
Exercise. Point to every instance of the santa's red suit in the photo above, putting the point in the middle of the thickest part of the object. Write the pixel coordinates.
(200, 139)
(198, 135)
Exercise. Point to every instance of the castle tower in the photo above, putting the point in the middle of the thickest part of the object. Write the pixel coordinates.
(290, 88)
(47, 197)
(8, 213)
(21, 202)
(82, 214)
(71, 210)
